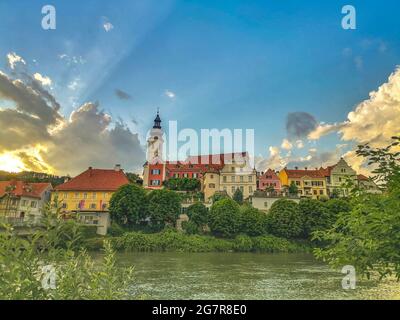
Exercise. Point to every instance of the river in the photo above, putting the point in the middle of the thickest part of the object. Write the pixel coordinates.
(244, 276)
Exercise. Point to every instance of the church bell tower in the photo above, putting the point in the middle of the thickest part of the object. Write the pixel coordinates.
(155, 142)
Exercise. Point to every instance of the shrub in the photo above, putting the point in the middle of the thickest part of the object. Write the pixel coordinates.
(198, 214)
(252, 221)
(243, 243)
(315, 216)
(128, 205)
(284, 219)
(190, 227)
(224, 218)
(164, 207)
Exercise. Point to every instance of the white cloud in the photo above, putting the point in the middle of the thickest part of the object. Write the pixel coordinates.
(170, 94)
(286, 144)
(45, 81)
(75, 84)
(108, 26)
(299, 144)
(13, 59)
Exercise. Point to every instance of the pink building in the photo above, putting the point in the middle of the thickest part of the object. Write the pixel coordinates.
(269, 179)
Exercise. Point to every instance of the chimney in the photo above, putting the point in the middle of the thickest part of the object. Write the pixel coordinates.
(66, 179)
(296, 168)
(117, 167)
(306, 168)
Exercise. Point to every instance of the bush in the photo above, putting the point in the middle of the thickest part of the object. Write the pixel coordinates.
(284, 219)
(243, 243)
(336, 206)
(252, 221)
(164, 207)
(190, 227)
(128, 205)
(224, 218)
(315, 216)
(115, 230)
(198, 214)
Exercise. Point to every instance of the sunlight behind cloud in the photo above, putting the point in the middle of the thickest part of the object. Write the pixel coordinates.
(11, 163)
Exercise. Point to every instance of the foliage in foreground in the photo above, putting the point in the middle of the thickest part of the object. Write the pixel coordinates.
(26, 262)
(368, 237)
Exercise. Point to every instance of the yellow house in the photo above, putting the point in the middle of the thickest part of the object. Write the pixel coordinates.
(310, 183)
(89, 194)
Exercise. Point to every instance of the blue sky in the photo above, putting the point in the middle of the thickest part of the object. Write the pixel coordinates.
(229, 64)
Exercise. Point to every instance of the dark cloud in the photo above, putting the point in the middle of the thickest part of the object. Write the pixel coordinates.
(300, 124)
(122, 95)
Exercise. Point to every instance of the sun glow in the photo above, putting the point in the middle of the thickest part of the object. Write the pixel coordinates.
(11, 163)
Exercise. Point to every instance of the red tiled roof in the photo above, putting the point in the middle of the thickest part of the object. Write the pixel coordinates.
(216, 159)
(95, 180)
(304, 173)
(326, 171)
(24, 189)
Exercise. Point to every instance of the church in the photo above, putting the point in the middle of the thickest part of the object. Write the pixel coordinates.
(216, 172)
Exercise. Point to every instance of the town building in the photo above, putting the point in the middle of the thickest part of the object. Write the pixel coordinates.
(367, 184)
(216, 172)
(87, 196)
(23, 202)
(263, 200)
(336, 178)
(269, 180)
(310, 183)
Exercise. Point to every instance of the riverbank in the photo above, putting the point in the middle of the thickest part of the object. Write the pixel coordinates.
(172, 241)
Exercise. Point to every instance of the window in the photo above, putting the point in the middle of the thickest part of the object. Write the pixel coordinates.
(211, 186)
(155, 182)
(225, 189)
(224, 179)
(233, 189)
(33, 204)
(212, 176)
(250, 189)
(233, 169)
(241, 188)
(297, 183)
(85, 195)
(343, 170)
(195, 175)
(233, 178)
(185, 175)
(64, 205)
(155, 171)
(266, 204)
(250, 178)
(241, 178)
(105, 195)
(65, 195)
(176, 175)
(93, 206)
(315, 192)
(104, 206)
(94, 195)
(24, 203)
(76, 195)
(321, 192)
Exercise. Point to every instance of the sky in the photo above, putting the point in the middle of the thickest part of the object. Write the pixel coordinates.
(86, 93)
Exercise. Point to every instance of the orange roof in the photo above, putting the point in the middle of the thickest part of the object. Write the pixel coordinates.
(326, 171)
(96, 180)
(362, 177)
(304, 173)
(24, 189)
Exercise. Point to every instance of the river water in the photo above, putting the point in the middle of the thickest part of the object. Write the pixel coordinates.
(244, 276)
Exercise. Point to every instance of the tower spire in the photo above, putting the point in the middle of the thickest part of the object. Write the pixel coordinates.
(157, 120)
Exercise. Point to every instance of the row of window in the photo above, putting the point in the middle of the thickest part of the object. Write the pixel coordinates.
(84, 195)
(269, 184)
(233, 179)
(79, 206)
(233, 188)
(313, 183)
(186, 175)
(26, 203)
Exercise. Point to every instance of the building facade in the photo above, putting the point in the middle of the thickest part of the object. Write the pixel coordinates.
(336, 178)
(88, 195)
(310, 183)
(21, 201)
(269, 180)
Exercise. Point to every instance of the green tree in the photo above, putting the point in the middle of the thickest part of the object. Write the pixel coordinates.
(224, 218)
(128, 205)
(219, 195)
(252, 221)
(368, 236)
(182, 184)
(133, 177)
(293, 189)
(284, 219)
(198, 214)
(238, 196)
(315, 216)
(164, 207)
(336, 206)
